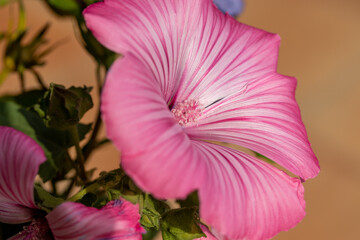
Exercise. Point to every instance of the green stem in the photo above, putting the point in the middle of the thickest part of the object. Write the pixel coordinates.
(98, 78)
(22, 81)
(91, 144)
(102, 142)
(3, 75)
(66, 193)
(53, 184)
(91, 188)
(80, 161)
(22, 17)
(38, 78)
(11, 20)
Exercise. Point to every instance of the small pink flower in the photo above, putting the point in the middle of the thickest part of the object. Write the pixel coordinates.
(190, 77)
(20, 158)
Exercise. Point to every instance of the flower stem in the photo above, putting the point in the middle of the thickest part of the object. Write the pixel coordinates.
(80, 157)
(38, 78)
(54, 189)
(91, 188)
(22, 18)
(3, 75)
(91, 144)
(22, 81)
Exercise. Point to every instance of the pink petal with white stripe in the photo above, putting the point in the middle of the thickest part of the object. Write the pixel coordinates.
(158, 32)
(245, 198)
(20, 158)
(265, 118)
(118, 220)
(156, 152)
(224, 56)
(15, 213)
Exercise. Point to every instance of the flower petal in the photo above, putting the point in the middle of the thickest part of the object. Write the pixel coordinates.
(117, 220)
(20, 158)
(14, 213)
(157, 32)
(190, 46)
(264, 118)
(156, 152)
(224, 56)
(245, 198)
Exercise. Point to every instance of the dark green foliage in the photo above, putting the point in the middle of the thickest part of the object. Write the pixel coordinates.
(20, 56)
(65, 7)
(88, 200)
(181, 224)
(151, 212)
(63, 108)
(54, 142)
(192, 200)
(45, 199)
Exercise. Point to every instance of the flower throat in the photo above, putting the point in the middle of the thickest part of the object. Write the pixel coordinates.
(187, 112)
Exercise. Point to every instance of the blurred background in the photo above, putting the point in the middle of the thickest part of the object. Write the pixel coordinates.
(320, 46)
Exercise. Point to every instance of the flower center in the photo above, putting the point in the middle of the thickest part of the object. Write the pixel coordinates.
(187, 111)
(37, 230)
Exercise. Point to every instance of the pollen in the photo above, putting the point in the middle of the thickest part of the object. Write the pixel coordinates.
(37, 230)
(187, 112)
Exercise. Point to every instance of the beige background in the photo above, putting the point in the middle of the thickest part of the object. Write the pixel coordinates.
(321, 47)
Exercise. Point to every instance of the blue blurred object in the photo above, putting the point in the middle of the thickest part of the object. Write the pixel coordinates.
(233, 7)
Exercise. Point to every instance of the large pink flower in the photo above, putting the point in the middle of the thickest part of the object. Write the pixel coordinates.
(20, 158)
(190, 77)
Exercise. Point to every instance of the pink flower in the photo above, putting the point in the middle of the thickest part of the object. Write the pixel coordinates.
(20, 158)
(191, 77)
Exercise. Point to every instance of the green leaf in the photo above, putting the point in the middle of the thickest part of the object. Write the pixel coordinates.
(192, 200)
(181, 224)
(13, 115)
(45, 199)
(26, 99)
(65, 7)
(88, 200)
(264, 158)
(88, 2)
(54, 142)
(100, 53)
(151, 212)
(4, 2)
(150, 234)
(110, 179)
(63, 108)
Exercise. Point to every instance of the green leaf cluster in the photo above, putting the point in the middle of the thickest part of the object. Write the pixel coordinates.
(20, 56)
(63, 108)
(15, 112)
(181, 224)
(45, 200)
(156, 215)
(152, 211)
(175, 224)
